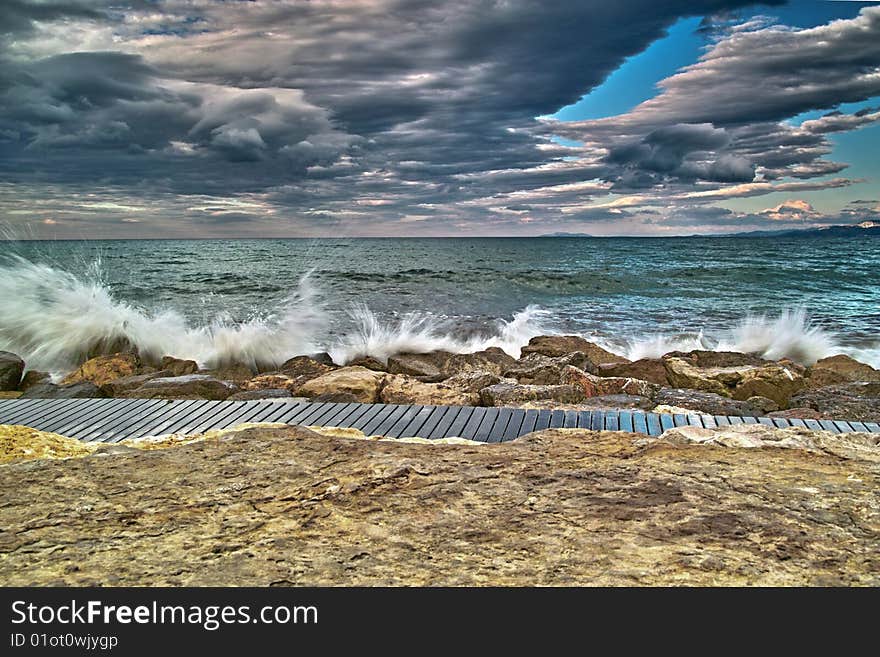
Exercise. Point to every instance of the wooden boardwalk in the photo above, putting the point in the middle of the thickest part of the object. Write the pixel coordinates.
(111, 420)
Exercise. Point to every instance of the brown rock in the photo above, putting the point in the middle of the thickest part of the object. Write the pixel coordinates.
(81, 390)
(705, 402)
(704, 358)
(264, 507)
(178, 367)
(334, 398)
(11, 369)
(370, 363)
(473, 381)
(645, 369)
(839, 369)
(262, 393)
(103, 369)
(492, 360)
(511, 394)
(596, 386)
(238, 373)
(401, 389)
(271, 381)
(32, 378)
(538, 369)
(424, 366)
(847, 401)
(561, 345)
(801, 413)
(364, 384)
(191, 386)
(118, 387)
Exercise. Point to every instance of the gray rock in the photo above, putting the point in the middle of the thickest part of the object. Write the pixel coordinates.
(424, 366)
(538, 369)
(178, 366)
(510, 394)
(81, 390)
(119, 386)
(473, 381)
(705, 402)
(617, 401)
(11, 369)
(192, 386)
(32, 378)
(265, 393)
(847, 401)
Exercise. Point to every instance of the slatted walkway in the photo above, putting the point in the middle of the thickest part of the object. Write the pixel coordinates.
(111, 420)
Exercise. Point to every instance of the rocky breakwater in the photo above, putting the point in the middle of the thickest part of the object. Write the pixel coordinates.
(286, 506)
(552, 372)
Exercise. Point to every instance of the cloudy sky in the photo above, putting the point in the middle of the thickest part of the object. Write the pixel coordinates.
(211, 118)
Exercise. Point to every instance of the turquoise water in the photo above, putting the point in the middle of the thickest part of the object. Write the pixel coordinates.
(619, 290)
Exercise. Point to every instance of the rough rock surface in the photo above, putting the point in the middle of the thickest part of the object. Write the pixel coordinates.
(400, 389)
(370, 363)
(473, 381)
(562, 345)
(287, 506)
(178, 366)
(848, 401)
(32, 378)
(646, 369)
(424, 366)
(271, 381)
(117, 387)
(513, 394)
(839, 369)
(81, 390)
(304, 368)
(776, 381)
(595, 386)
(538, 369)
(192, 386)
(103, 369)
(237, 373)
(705, 402)
(262, 393)
(11, 369)
(364, 384)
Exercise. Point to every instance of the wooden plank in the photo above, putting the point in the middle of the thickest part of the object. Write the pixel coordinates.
(184, 421)
(680, 419)
(275, 408)
(415, 423)
(797, 423)
(499, 427)
(858, 426)
(781, 422)
(473, 424)
(151, 408)
(338, 419)
(709, 421)
(766, 421)
(666, 421)
(485, 428)
(584, 419)
(813, 425)
(557, 419)
(227, 418)
(51, 411)
(543, 422)
(293, 414)
(460, 422)
(95, 423)
(843, 426)
(873, 427)
(828, 425)
(597, 421)
(424, 422)
(571, 420)
(390, 420)
(626, 421)
(445, 421)
(409, 414)
(611, 420)
(103, 431)
(305, 416)
(695, 420)
(376, 419)
(721, 421)
(321, 419)
(149, 418)
(654, 426)
(640, 422)
(514, 425)
(366, 418)
(735, 420)
(749, 420)
(530, 421)
(11, 414)
(77, 416)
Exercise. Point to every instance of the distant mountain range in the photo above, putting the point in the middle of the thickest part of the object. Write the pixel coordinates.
(864, 229)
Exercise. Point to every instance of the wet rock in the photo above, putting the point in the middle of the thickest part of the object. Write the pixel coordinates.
(561, 345)
(645, 369)
(334, 398)
(597, 386)
(11, 369)
(492, 360)
(538, 369)
(704, 358)
(400, 389)
(515, 394)
(271, 381)
(118, 387)
(10, 394)
(238, 373)
(81, 390)
(32, 378)
(302, 369)
(362, 383)
(322, 357)
(178, 366)
(191, 386)
(424, 366)
(839, 369)
(705, 402)
(262, 393)
(846, 401)
(473, 381)
(563, 507)
(776, 381)
(103, 369)
(370, 363)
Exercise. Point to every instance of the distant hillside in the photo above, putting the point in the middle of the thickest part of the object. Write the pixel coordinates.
(864, 229)
(566, 235)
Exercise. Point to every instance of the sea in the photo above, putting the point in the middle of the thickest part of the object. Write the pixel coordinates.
(262, 301)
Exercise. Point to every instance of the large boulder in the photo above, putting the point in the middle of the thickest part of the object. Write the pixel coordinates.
(847, 401)
(601, 403)
(302, 369)
(424, 366)
(705, 402)
(364, 384)
(11, 369)
(103, 369)
(80, 390)
(191, 386)
(515, 394)
(262, 393)
(32, 378)
(401, 389)
(538, 369)
(776, 381)
(839, 369)
(597, 386)
(473, 381)
(704, 358)
(118, 387)
(272, 381)
(492, 360)
(436, 366)
(232, 371)
(178, 366)
(369, 362)
(561, 345)
(645, 369)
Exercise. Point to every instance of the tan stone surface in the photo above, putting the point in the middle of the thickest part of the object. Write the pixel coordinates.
(104, 369)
